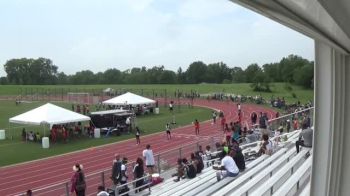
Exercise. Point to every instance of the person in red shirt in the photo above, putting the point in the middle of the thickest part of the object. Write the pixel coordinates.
(65, 134)
(196, 126)
(53, 134)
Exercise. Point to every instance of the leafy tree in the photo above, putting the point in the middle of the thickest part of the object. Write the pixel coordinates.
(304, 75)
(112, 76)
(31, 71)
(252, 72)
(217, 73)
(238, 75)
(261, 82)
(196, 72)
(181, 76)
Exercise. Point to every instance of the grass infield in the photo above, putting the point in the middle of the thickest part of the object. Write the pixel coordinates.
(16, 151)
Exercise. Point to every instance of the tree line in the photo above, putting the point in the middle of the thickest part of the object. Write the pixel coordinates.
(291, 69)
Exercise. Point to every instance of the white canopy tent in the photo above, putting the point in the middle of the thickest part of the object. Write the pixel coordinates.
(48, 114)
(129, 99)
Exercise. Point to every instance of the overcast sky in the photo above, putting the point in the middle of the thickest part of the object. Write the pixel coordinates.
(101, 34)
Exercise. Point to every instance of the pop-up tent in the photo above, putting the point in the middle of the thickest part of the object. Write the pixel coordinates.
(129, 99)
(48, 114)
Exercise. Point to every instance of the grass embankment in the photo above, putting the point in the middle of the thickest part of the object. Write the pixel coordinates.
(278, 90)
(16, 151)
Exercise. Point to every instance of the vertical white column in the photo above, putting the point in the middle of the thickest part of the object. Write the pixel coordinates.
(330, 119)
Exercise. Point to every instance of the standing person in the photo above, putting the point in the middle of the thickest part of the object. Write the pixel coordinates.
(116, 169)
(196, 127)
(168, 133)
(128, 124)
(124, 176)
(84, 109)
(214, 117)
(149, 158)
(223, 122)
(295, 124)
(78, 108)
(239, 107)
(73, 107)
(78, 180)
(137, 135)
(227, 133)
(254, 117)
(138, 173)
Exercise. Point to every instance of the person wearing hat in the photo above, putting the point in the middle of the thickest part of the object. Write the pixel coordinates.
(78, 180)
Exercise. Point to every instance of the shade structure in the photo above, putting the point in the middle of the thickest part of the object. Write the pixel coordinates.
(48, 114)
(129, 99)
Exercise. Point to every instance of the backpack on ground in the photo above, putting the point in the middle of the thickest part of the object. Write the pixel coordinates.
(191, 171)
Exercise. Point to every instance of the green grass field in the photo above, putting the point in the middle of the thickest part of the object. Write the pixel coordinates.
(278, 90)
(16, 151)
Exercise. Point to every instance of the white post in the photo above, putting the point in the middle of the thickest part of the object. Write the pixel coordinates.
(331, 157)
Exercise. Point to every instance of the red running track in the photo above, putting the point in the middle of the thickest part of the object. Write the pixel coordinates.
(41, 173)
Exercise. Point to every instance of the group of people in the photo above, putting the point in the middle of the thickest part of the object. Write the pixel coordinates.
(84, 108)
(119, 175)
(30, 136)
(230, 156)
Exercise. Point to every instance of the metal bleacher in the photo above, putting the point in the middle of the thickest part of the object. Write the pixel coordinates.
(283, 173)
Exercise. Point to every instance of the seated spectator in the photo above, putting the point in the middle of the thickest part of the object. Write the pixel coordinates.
(190, 169)
(238, 157)
(266, 146)
(305, 137)
(228, 167)
(207, 155)
(198, 162)
(180, 170)
(101, 191)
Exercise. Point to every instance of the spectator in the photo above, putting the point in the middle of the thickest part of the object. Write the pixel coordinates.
(190, 169)
(196, 127)
(29, 193)
(288, 126)
(138, 173)
(238, 157)
(305, 137)
(295, 123)
(228, 167)
(101, 191)
(227, 134)
(78, 180)
(149, 158)
(266, 146)
(214, 117)
(124, 176)
(137, 135)
(116, 169)
(128, 124)
(254, 117)
(180, 170)
(223, 122)
(168, 133)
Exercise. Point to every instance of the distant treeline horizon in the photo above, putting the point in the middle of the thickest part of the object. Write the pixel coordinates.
(42, 71)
